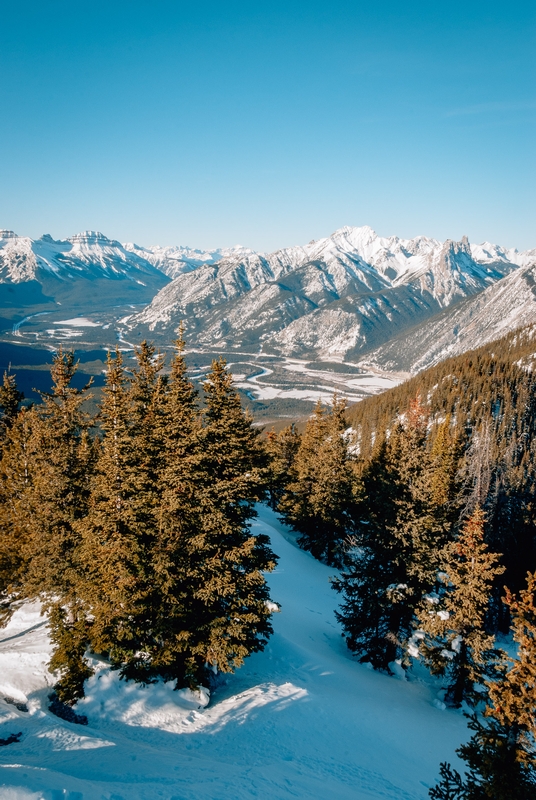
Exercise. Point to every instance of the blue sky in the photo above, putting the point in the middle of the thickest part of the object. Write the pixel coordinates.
(268, 123)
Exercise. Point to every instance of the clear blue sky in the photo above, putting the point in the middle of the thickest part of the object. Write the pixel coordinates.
(268, 123)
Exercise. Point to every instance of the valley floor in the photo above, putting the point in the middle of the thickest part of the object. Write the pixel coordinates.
(301, 720)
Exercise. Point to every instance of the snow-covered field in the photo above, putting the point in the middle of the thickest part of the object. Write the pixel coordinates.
(301, 720)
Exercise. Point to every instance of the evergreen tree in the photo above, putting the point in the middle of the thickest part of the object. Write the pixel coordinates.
(177, 554)
(495, 769)
(445, 484)
(403, 520)
(228, 591)
(373, 581)
(513, 696)
(16, 508)
(319, 498)
(424, 499)
(14, 481)
(58, 468)
(10, 400)
(179, 575)
(501, 755)
(282, 449)
(490, 395)
(120, 529)
(451, 621)
(451, 786)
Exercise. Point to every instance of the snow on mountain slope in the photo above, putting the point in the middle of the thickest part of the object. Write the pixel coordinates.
(503, 307)
(86, 255)
(302, 719)
(339, 296)
(83, 273)
(173, 261)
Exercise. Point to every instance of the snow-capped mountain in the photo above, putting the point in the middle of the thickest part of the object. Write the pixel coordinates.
(341, 297)
(173, 261)
(87, 254)
(335, 297)
(66, 267)
(501, 308)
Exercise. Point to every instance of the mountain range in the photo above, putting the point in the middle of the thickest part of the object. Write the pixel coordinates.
(381, 303)
(338, 297)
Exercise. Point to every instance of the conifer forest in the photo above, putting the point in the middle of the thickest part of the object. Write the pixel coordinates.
(131, 526)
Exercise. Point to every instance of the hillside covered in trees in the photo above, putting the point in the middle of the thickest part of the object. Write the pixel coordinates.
(425, 498)
(132, 529)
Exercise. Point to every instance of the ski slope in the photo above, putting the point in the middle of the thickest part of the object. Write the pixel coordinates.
(301, 720)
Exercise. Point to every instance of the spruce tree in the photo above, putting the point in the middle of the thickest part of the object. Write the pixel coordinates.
(495, 769)
(451, 621)
(501, 755)
(120, 529)
(10, 402)
(176, 553)
(373, 580)
(450, 787)
(319, 498)
(403, 520)
(61, 465)
(58, 476)
(425, 493)
(16, 507)
(282, 449)
(513, 696)
(229, 594)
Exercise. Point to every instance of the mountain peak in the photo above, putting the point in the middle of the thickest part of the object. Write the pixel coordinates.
(90, 237)
(5, 234)
(362, 232)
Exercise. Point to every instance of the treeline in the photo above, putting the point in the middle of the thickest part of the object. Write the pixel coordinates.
(489, 395)
(132, 527)
(427, 505)
(132, 531)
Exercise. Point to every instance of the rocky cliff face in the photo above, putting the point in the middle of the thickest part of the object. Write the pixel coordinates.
(87, 267)
(336, 298)
(339, 298)
(501, 308)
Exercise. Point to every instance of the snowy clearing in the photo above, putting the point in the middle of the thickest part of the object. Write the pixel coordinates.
(301, 720)
(78, 322)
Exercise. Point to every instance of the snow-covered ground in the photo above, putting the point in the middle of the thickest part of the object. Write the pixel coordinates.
(301, 720)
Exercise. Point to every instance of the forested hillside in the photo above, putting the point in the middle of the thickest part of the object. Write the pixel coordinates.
(425, 497)
(489, 397)
(131, 527)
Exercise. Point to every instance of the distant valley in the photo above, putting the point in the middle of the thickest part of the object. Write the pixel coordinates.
(353, 313)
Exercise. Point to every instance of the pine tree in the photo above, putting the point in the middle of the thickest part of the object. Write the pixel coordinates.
(120, 529)
(495, 769)
(373, 581)
(229, 594)
(16, 508)
(319, 499)
(513, 696)
(61, 465)
(58, 475)
(451, 786)
(180, 652)
(403, 520)
(10, 401)
(501, 755)
(424, 498)
(282, 449)
(13, 492)
(452, 621)
(445, 485)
